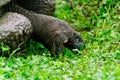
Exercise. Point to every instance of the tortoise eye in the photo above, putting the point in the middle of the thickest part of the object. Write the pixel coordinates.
(76, 37)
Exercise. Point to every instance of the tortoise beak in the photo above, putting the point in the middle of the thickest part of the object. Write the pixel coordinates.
(79, 46)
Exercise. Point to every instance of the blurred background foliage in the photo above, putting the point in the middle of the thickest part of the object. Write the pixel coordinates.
(88, 12)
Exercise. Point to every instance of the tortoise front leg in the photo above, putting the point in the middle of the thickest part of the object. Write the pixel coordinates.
(15, 30)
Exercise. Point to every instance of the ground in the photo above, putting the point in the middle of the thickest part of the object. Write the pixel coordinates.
(99, 26)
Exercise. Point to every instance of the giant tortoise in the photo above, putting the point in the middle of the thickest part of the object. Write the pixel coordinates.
(54, 33)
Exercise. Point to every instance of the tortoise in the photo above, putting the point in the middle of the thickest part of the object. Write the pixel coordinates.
(54, 33)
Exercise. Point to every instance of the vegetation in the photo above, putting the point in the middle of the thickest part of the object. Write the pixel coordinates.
(98, 22)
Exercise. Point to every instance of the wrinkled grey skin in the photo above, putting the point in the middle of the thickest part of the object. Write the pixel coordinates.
(52, 32)
(15, 30)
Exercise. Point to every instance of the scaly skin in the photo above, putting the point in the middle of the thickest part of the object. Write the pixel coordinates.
(15, 30)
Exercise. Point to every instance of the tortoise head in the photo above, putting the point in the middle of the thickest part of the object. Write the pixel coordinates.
(75, 42)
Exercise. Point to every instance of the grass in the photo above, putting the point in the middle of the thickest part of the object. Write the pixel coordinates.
(98, 22)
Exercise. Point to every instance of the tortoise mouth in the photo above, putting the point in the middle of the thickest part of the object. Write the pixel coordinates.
(71, 45)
